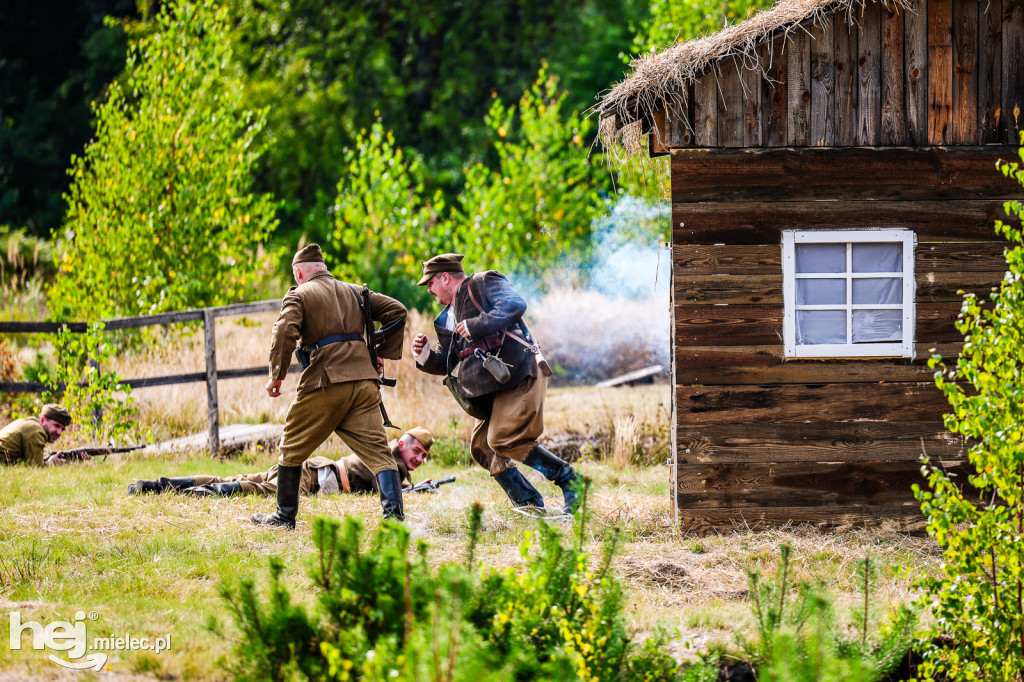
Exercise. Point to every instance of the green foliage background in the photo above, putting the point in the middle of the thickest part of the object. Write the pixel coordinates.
(978, 598)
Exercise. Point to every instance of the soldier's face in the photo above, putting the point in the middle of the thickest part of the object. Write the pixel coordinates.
(439, 289)
(53, 429)
(413, 452)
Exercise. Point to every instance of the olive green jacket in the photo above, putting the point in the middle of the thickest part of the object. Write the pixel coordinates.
(23, 440)
(323, 306)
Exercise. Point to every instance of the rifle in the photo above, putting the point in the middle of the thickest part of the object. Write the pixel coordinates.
(428, 486)
(373, 339)
(75, 454)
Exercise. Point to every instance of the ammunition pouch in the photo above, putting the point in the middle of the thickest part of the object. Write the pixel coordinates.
(478, 408)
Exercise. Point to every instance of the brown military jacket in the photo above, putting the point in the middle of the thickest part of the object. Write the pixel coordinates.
(23, 440)
(503, 310)
(359, 477)
(323, 306)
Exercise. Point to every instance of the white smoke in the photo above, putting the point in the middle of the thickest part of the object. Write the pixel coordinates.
(613, 316)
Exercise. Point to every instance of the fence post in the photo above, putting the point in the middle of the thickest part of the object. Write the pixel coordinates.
(97, 412)
(212, 409)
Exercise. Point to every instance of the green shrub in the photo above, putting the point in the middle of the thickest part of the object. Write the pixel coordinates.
(799, 638)
(976, 597)
(383, 613)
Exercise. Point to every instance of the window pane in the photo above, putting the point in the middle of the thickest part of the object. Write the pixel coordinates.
(820, 291)
(883, 257)
(820, 326)
(877, 325)
(820, 257)
(878, 290)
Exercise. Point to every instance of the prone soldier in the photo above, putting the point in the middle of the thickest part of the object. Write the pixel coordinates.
(320, 475)
(23, 440)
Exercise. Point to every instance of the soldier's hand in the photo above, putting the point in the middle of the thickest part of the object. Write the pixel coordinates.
(84, 456)
(462, 330)
(274, 388)
(419, 343)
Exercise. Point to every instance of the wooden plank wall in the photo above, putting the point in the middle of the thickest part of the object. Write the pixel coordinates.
(945, 72)
(765, 440)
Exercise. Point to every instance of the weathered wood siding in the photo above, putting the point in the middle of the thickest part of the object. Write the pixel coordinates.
(946, 72)
(761, 439)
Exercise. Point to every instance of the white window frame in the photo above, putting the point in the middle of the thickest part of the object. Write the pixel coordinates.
(904, 348)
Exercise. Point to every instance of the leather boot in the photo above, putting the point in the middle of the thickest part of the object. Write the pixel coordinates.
(214, 490)
(519, 490)
(390, 485)
(558, 472)
(288, 479)
(160, 485)
(180, 483)
(143, 486)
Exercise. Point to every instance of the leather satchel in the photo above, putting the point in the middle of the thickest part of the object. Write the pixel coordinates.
(478, 408)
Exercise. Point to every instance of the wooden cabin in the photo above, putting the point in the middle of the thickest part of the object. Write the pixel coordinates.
(833, 190)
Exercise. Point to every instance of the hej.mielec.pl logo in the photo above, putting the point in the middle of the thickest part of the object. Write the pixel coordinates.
(74, 639)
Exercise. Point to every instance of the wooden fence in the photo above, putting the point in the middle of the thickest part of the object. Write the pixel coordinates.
(210, 376)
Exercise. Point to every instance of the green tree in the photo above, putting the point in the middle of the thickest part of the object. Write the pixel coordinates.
(384, 226)
(977, 598)
(160, 211)
(427, 69)
(534, 209)
(677, 21)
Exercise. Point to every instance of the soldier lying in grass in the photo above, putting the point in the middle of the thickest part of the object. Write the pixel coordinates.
(23, 440)
(320, 475)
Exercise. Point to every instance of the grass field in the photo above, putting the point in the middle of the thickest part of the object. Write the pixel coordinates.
(72, 540)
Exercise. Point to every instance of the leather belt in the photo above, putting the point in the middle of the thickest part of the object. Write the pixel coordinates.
(342, 471)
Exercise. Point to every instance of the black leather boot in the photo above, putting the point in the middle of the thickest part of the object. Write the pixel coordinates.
(160, 485)
(390, 485)
(180, 483)
(288, 479)
(558, 472)
(519, 490)
(214, 490)
(143, 486)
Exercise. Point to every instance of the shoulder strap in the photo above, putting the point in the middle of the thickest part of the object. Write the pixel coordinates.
(505, 332)
(469, 288)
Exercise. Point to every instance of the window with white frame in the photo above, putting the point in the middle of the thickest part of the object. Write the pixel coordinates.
(848, 293)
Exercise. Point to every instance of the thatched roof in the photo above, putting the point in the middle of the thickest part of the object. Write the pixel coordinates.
(658, 80)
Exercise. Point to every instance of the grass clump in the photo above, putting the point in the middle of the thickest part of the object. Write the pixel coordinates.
(383, 612)
(799, 638)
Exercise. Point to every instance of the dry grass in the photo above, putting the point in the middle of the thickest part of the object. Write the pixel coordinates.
(580, 412)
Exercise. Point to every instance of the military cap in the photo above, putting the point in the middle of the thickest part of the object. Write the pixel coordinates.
(446, 262)
(422, 435)
(310, 253)
(56, 413)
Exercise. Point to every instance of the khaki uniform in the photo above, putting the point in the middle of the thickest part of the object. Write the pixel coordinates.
(359, 476)
(23, 440)
(517, 416)
(338, 392)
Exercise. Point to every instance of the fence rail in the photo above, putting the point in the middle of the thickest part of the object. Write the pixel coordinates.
(210, 376)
